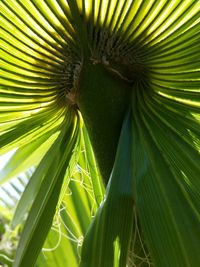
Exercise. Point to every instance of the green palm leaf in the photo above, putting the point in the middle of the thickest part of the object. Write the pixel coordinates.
(9, 196)
(72, 220)
(68, 66)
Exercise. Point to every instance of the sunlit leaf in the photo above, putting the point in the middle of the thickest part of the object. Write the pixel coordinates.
(70, 71)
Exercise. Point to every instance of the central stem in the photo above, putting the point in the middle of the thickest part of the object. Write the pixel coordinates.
(103, 99)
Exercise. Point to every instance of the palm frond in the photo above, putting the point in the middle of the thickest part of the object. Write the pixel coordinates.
(79, 204)
(68, 66)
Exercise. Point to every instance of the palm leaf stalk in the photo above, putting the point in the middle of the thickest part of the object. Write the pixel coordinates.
(111, 88)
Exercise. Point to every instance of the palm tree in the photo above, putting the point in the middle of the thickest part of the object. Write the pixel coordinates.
(101, 98)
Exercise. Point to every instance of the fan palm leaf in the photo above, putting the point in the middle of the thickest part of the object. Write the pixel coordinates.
(119, 79)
